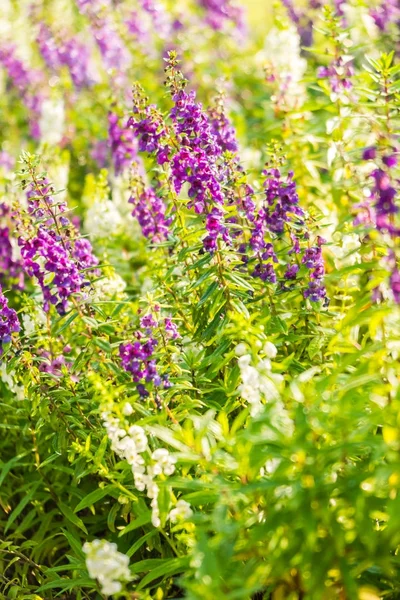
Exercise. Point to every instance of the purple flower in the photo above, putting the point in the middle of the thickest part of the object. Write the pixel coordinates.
(313, 260)
(149, 210)
(122, 142)
(48, 47)
(49, 251)
(27, 81)
(7, 162)
(112, 48)
(192, 124)
(369, 153)
(386, 14)
(266, 272)
(339, 73)
(390, 160)
(11, 267)
(43, 255)
(51, 365)
(222, 130)
(394, 281)
(9, 323)
(171, 329)
(282, 200)
(99, 153)
(219, 12)
(149, 128)
(137, 358)
(291, 272)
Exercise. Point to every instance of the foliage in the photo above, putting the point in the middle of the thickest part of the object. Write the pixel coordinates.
(199, 301)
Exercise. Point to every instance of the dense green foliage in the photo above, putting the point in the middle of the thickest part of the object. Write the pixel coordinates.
(276, 418)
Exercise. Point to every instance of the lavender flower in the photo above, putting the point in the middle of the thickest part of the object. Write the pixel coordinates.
(137, 358)
(339, 74)
(219, 12)
(149, 210)
(122, 142)
(313, 260)
(7, 162)
(148, 127)
(222, 130)
(112, 48)
(49, 251)
(11, 268)
(282, 200)
(44, 249)
(192, 125)
(76, 56)
(9, 323)
(385, 14)
(27, 82)
(48, 47)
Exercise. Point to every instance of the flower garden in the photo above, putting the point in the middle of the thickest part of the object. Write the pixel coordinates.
(199, 300)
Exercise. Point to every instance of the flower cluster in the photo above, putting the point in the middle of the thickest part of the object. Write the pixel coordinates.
(149, 129)
(258, 383)
(284, 70)
(28, 83)
(11, 267)
(112, 48)
(131, 445)
(70, 53)
(339, 74)
(138, 358)
(9, 323)
(122, 143)
(313, 260)
(181, 512)
(48, 261)
(386, 13)
(282, 200)
(222, 129)
(50, 254)
(220, 12)
(380, 208)
(383, 192)
(107, 565)
(149, 209)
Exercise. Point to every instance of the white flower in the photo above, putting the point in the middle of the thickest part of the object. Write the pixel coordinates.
(270, 350)
(240, 349)
(181, 512)
(165, 463)
(127, 409)
(281, 54)
(51, 121)
(33, 321)
(103, 219)
(107, 288)
(138, 435)
(107, 565)
(8, 378)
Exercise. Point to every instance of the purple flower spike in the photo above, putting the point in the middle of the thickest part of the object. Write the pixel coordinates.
(9, 323)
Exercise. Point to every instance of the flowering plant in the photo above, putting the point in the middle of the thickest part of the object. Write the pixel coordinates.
(199, 300)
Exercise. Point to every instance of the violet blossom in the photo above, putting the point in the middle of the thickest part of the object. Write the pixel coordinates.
(9, 323)
(50, 253)
(122, 143)
(150, 210)
(138, 359)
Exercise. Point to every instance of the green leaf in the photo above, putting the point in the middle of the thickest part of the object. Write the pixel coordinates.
(94, 497)
(143, 519)
(139, 543)
(71, 516)
(169, 568)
